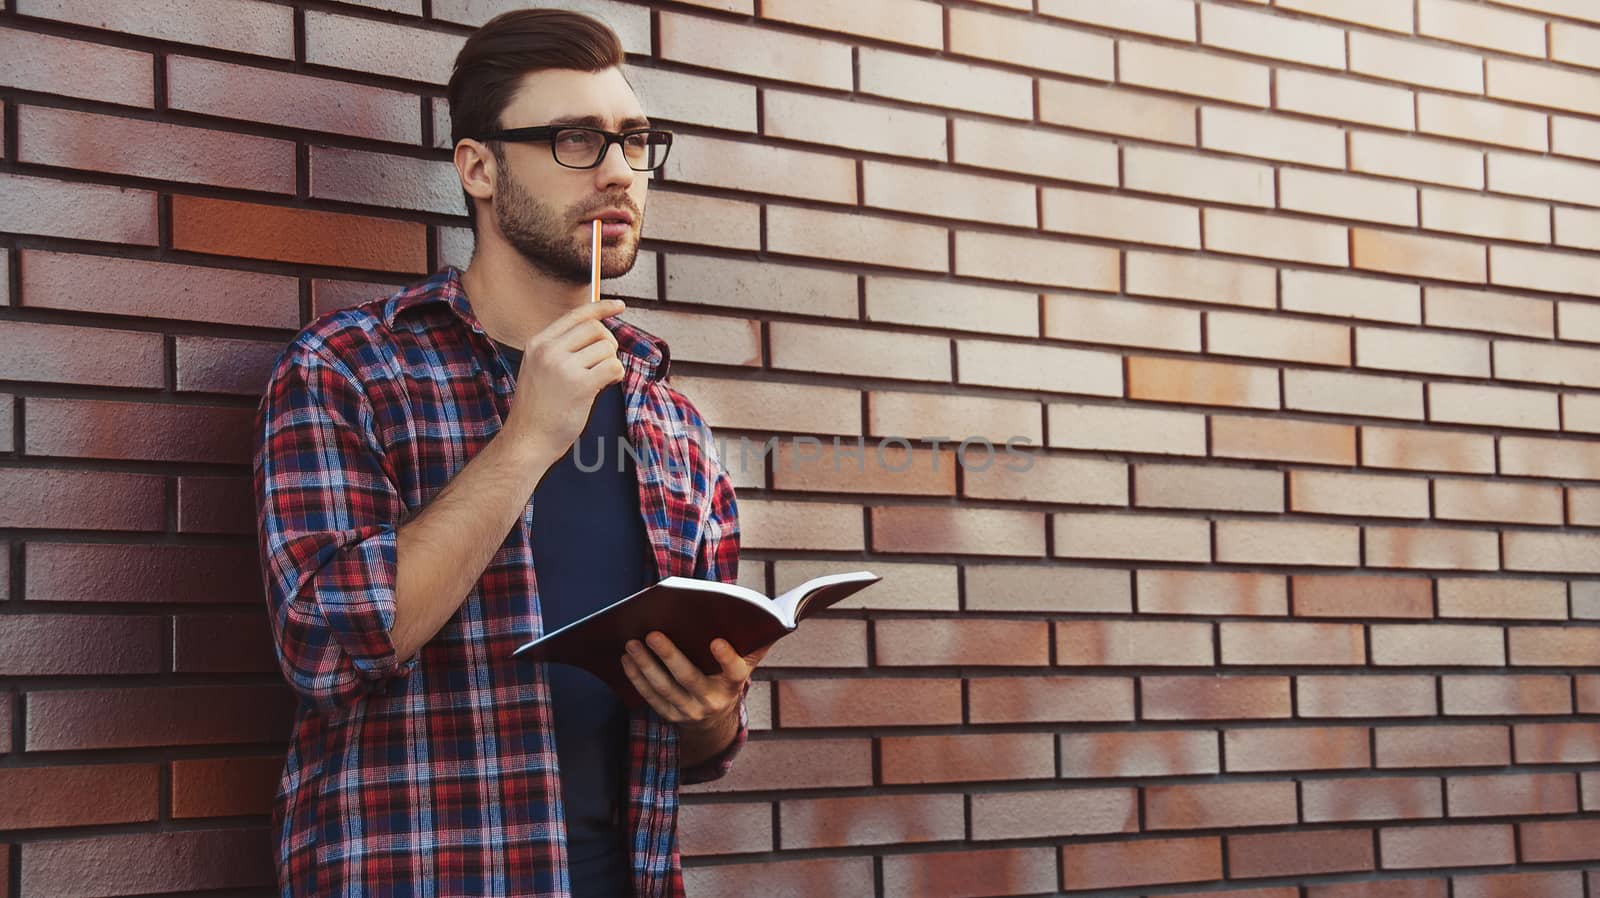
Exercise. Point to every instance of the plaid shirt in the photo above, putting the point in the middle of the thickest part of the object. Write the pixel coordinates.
(436, 775)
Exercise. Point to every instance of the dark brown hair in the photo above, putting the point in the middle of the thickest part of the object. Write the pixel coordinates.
(491, 64)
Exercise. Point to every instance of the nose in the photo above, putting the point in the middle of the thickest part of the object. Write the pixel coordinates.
(613, 170)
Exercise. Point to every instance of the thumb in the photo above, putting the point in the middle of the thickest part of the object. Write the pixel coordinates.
(754, 658)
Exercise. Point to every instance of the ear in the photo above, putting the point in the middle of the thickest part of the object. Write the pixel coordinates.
(476, 167)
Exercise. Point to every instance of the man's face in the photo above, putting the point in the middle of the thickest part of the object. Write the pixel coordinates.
(545, 210)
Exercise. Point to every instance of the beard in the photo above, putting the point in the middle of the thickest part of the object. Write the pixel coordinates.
(543, 235)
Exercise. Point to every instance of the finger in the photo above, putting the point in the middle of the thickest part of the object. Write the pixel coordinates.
(605, 373)
(585, 334)
(593, 354)
(684, 671)
(579, 316)
(648, 692)
(736, 668)
(659, 679)
(605, 308)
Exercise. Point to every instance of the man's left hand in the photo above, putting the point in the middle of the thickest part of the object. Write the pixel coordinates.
(678, 690)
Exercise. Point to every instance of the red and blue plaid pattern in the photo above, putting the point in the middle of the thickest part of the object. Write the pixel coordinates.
(436, 775)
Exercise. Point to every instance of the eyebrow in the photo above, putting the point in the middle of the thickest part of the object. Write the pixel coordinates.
(595, 121)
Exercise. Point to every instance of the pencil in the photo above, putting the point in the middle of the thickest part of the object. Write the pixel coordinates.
(594, 261)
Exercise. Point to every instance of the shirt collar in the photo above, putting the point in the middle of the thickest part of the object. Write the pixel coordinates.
(649, 352)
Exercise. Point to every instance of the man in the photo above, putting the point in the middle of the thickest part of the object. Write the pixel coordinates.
(422, 514)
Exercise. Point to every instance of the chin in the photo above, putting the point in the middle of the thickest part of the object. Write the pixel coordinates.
(618, 259)
(615, 266)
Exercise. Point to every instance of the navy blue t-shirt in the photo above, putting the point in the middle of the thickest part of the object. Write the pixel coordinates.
(589, 550)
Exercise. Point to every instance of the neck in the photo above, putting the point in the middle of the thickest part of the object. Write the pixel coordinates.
(511, 298)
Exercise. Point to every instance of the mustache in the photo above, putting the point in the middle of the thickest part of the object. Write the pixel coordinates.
(620, 201)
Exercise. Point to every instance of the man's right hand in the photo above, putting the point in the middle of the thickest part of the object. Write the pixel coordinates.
(564, 367)
(443, 549)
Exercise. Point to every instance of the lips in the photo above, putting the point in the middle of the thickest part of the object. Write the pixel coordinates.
(615, 224)
(607, 216)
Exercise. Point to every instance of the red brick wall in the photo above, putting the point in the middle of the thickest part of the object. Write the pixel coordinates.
(1302, 301)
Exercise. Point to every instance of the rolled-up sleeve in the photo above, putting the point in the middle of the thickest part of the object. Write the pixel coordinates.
(717, 558)
(326, 511)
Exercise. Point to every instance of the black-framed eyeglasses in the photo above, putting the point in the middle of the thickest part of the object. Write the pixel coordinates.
(574, 146)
